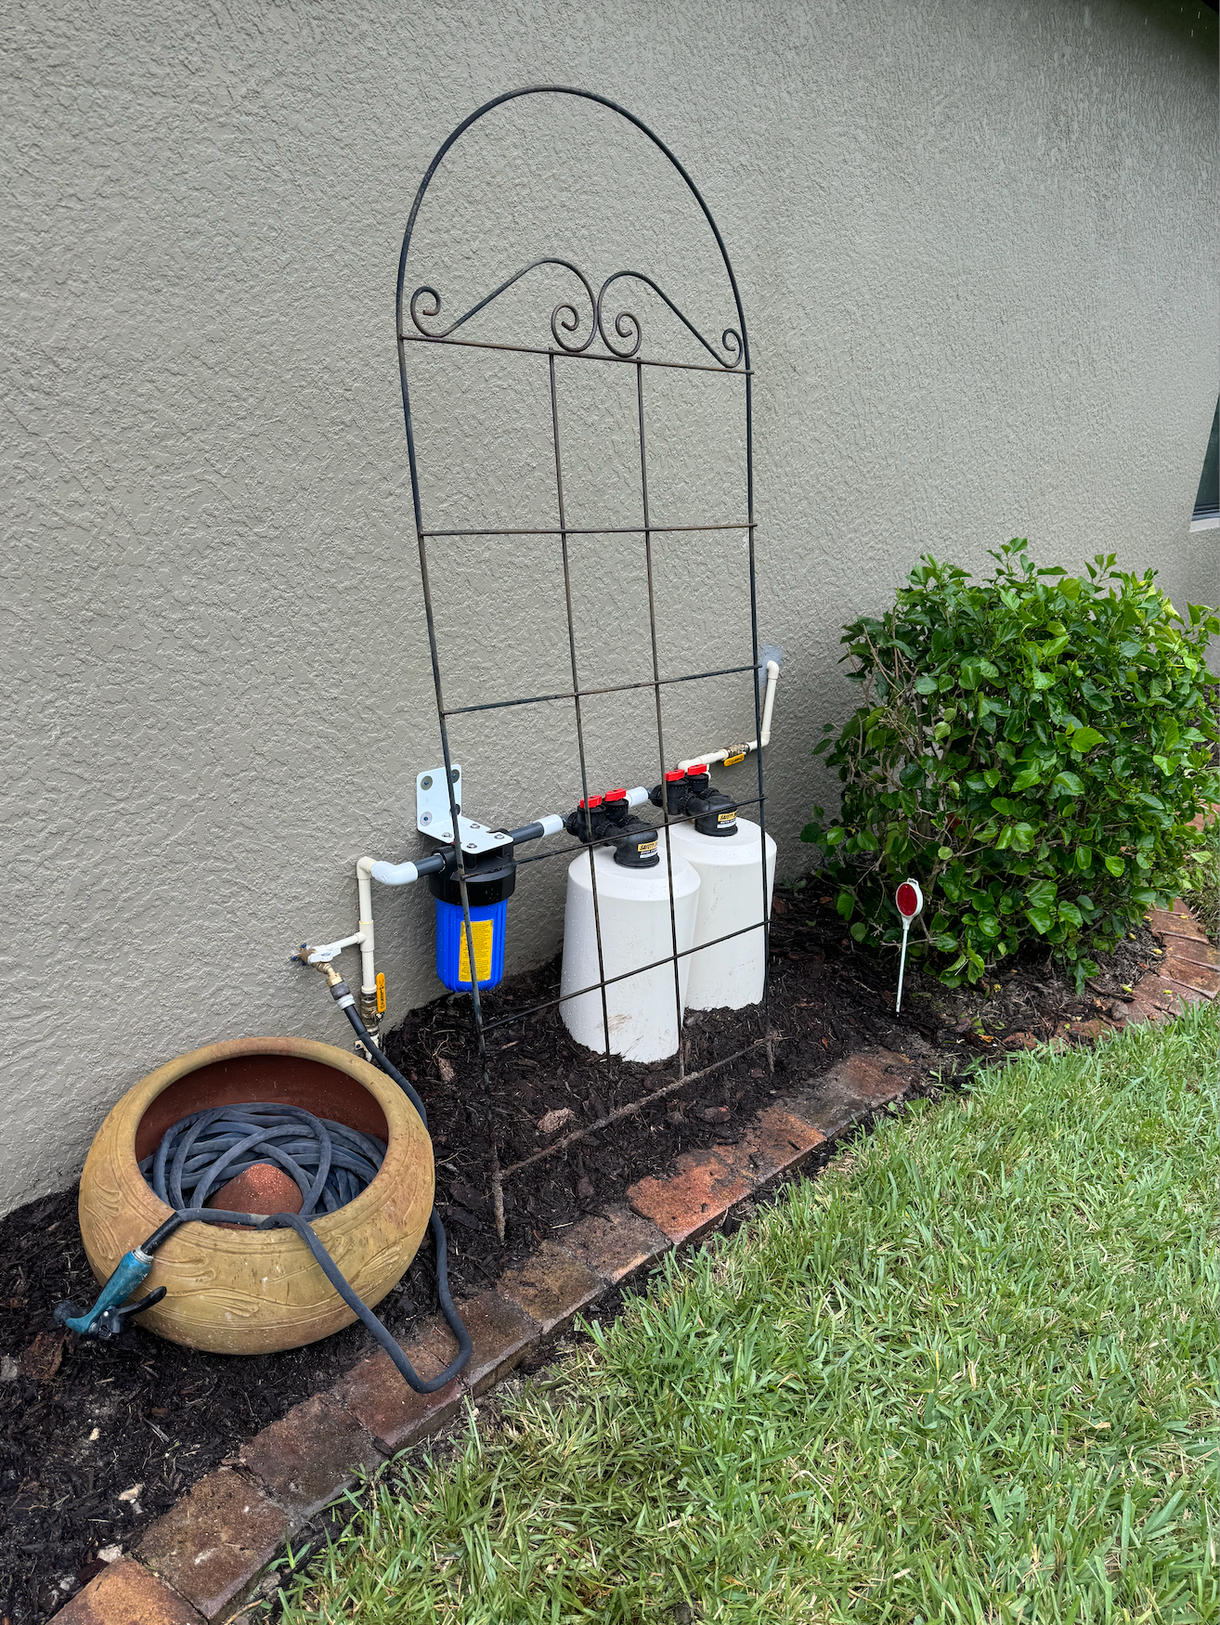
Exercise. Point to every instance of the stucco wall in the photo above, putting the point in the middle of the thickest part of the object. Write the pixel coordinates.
(976, 248)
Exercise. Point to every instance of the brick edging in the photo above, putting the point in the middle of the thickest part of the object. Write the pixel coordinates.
(203, 1558)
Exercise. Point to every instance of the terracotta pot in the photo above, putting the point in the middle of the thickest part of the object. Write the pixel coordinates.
(252, 1292)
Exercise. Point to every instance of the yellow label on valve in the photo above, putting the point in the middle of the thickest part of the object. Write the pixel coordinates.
(381, 993)
(483, 932)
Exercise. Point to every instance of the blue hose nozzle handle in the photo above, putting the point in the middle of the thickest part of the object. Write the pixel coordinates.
(130, 1270)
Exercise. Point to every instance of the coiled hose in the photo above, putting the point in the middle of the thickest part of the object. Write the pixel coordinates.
(331, 1164)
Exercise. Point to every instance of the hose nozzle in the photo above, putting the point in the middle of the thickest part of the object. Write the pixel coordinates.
(110, 1314)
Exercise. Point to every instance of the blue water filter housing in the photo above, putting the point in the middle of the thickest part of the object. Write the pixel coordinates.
(490, 879)
(487, 927)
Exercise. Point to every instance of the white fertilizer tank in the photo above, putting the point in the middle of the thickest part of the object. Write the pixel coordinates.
(730, 974)
(633, 911)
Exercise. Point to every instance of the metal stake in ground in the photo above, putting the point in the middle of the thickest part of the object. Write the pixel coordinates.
(909, 900)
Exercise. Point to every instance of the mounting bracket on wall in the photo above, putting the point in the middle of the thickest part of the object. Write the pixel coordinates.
(434, 814)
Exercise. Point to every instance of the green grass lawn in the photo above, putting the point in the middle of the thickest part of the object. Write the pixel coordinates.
(967, 1375)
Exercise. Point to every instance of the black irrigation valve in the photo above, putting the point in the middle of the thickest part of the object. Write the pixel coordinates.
(609, 818)
(588, 821)
(692, 795)
(671, 794)
(638, 847)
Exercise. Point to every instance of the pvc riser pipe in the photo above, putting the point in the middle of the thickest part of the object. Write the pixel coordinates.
(711, 757)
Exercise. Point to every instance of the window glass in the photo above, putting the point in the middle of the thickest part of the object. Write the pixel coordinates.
(1207, 503)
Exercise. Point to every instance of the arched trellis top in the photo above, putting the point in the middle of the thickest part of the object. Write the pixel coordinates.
(620, 333)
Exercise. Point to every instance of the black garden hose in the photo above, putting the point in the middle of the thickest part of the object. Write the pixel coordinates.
(381, 1059)
(448, 1307)
(294, 1221)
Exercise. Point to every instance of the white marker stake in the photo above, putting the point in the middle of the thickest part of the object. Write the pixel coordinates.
(909, 899)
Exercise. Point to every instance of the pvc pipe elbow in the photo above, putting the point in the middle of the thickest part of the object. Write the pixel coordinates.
(764, 738)
(392, 874)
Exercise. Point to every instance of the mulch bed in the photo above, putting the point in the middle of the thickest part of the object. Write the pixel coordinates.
(97, 1440)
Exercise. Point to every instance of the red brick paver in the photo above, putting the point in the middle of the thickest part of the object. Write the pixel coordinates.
(832, 1101)
(616, 1243)
(1205, 978)
(127, 1594)
(774, 1144)
(1195, 949)
(1183, 992)
(310, 1456)
(552, 1286)
(1179, 923)
(503, 1335)
(694, 1198)
(375, 1392)
(1146, 1005)
(216, 1541)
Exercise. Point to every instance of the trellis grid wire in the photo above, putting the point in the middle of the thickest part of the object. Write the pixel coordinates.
(620, 340)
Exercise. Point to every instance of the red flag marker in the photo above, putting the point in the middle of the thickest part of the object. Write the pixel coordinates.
(909, 899)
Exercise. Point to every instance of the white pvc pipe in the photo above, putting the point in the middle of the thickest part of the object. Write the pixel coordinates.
(364, 925)
(391, 874)
(768, 703)
(327, 950)
(764, 738)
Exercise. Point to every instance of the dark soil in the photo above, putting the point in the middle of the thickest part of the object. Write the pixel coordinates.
(84, 1424)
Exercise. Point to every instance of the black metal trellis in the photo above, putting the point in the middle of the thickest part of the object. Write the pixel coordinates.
(621, 339)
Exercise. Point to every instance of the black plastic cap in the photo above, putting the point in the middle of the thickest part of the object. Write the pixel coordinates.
(490, 878)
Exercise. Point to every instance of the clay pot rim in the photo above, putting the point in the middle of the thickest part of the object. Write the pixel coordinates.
(400, 1146)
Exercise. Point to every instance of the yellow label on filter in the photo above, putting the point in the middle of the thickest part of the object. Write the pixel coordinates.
(381, 993)
(483, 932)
(645, 847)
(727, 818)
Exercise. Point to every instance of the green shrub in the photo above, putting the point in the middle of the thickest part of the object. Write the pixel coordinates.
(1032, 749)
(1202, 889)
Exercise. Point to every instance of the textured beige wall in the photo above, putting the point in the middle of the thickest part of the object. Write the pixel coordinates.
(976, 248)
